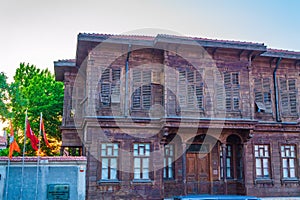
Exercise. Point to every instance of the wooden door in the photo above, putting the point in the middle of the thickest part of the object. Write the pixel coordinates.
(197, 173)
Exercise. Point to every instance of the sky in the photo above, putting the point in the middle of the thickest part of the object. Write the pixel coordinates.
(39, 31)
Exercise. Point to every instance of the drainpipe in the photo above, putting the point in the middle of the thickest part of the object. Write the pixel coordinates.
(276, 90)
(126, 81)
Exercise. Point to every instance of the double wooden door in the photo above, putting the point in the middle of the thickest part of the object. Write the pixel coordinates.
(197, 173)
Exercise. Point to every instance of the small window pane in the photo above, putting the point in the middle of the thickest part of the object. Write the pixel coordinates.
(284, 163)
(285, 173)
(293, 173)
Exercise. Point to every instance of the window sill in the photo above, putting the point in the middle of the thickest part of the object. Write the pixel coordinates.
(141, 181)
(290, 180)
(168, 180)
(264, 181)
(115, 181)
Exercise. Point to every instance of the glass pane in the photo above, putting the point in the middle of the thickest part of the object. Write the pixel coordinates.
(145, 163)
(104, 162)
(282, 148)
(258, 163)
(228, 162)
(266, 172)
(284, 163)
(113, 173)
(109, 151)
(170, 162)
(103, 146)
(113, 162)
(104, 173)
(282, 154)
(256, 148)
(170, 172)
(137, 163)
(136, 174)
(292, 148)
(266, 163)
(293, 173)
(165, 172)
(147, 149)
(256, 154)
(285, 173)
(292, 163)
(266, 153)
(258, 172)
(103, 152)
(261, 152)
(145, 174)
(293, 154)
(287, 152)
(135, 150)
(228, 172)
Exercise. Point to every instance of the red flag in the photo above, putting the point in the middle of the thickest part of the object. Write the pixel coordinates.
(44, 133)
(33, 139)
(13, 144)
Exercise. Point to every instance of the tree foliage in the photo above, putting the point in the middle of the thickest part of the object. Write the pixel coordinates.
(36, 91)
(4, 88)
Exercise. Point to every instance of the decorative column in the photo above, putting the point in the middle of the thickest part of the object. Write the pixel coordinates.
(224, 154)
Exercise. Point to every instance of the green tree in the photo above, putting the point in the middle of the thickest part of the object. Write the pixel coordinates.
(37, 92)
(4, 88)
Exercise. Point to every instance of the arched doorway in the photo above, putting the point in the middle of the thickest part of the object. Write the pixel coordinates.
(234, 165)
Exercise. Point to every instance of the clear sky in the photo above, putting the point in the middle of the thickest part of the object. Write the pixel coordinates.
(39, 32)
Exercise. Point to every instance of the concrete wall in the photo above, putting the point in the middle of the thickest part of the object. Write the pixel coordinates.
(32, 180)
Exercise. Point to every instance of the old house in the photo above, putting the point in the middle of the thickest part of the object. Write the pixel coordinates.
(171, 115)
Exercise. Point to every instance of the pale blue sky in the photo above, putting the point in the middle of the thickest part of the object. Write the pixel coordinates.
(40, 32)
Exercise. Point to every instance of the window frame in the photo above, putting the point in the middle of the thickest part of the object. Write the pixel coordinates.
(262, 158)
(283, 147)
(288, 96)
(109, 158)
(190, 89)
(263, 95)
(141, 158)
(170, 167)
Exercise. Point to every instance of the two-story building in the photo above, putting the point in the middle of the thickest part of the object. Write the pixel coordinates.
(171, 115)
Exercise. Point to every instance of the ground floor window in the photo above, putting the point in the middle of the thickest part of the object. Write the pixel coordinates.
(288, 161)
(141, 157)
(109, 161)
(168, 161)
(262, 161)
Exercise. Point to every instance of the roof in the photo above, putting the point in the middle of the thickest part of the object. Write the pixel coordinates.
(280, 53)
(61, 66)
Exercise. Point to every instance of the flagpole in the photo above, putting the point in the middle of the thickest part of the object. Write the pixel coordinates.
(7, 178)
(38, 159)
(23, 157)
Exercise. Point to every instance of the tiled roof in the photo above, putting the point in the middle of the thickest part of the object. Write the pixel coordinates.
(65, 62)
(282, 53)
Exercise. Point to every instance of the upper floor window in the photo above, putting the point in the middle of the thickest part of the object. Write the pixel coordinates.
(109, 161)
(168, 161)
(289, 161)
(262, 94)
(288, 96)
(262, 161)
(145, 91)
(231, 87)
(190, 89)
(141, 160)
(110, 87)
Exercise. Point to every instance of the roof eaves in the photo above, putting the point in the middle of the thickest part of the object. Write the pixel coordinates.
(281, 54)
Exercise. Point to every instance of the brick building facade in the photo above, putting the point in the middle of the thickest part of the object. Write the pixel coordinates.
(169, 115)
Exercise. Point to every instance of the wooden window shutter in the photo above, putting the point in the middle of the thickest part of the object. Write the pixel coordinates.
(105, 94)
(136, 98)
(146, 96)
(115, 93)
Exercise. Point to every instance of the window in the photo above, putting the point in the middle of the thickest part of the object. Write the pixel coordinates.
(231, 87)
(109, 161)
(288, 96)
(262, 161)
(190, 89)
(141, 154)
(110, 87)
(229, 161)
(288, 159)
(168, 161)
(262, 93)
